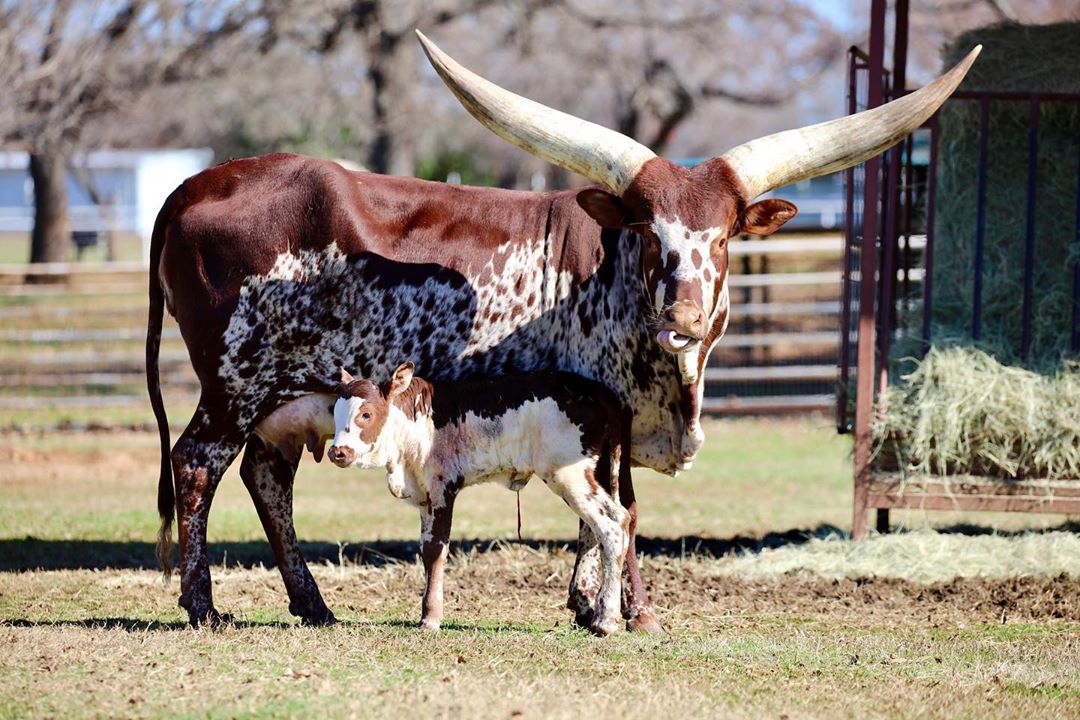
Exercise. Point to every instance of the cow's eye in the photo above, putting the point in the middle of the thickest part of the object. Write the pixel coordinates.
(366, 416)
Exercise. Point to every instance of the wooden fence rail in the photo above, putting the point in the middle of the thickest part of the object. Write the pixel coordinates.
(63, 355)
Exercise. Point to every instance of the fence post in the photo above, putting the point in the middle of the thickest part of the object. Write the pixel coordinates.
(864, 374)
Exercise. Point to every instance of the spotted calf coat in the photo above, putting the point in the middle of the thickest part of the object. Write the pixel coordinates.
(435, 440)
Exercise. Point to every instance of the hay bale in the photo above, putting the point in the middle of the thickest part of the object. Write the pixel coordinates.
(962, 412)
(1014, 58)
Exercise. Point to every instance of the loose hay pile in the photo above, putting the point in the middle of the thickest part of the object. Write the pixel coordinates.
(1015, 58)
(962, 412)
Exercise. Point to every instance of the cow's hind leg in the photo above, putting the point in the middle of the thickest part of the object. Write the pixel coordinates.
(637, 608)
(269, 478)
(199, 458)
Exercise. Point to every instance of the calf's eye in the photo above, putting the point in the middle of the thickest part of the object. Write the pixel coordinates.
(366, 416)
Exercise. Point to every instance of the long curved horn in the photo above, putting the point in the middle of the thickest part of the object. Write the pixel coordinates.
(786, 157)
(602, 155)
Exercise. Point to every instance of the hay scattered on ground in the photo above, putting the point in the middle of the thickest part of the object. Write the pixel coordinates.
(923, 557)
(962, 412)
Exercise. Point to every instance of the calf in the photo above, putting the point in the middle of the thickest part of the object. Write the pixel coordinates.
(435, 440)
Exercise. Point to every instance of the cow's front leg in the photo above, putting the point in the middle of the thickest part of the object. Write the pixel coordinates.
(199, 458)
(636, 607)
(435, 523)
(269, 479)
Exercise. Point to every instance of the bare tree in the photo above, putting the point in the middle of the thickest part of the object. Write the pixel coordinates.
(68, 64)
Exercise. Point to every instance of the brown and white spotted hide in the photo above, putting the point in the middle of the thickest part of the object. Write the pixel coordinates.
(438, 439)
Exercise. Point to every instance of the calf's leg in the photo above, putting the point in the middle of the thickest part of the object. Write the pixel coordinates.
(585, 582)
(269, 479)
(609, 522)
(435, 523)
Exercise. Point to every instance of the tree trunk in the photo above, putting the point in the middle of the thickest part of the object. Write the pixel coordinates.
(51, 238)
(393, 75)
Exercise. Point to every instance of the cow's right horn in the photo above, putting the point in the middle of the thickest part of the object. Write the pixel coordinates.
(602, 155)
(787, 157)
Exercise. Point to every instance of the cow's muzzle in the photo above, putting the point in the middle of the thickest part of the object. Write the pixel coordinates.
(341, 456)
(681, 326)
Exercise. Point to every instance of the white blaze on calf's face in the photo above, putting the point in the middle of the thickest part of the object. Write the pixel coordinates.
(347, 432)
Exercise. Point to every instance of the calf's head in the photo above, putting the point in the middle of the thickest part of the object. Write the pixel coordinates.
(686, 216)
(362, 414)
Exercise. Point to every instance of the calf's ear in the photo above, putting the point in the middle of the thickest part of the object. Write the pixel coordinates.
(400, 380)
(345, 377)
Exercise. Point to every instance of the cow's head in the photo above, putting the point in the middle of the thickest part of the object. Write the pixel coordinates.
(686, 216)
(361, 414)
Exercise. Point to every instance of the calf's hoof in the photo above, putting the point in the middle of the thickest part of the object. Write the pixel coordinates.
(605, 628)
(430, 626)
(645, 623)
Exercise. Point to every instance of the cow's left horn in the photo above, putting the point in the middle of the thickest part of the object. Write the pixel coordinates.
(793, 155)
(602, 155)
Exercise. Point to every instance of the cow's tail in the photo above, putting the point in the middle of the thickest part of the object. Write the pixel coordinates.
(626, 431)
(166, 500)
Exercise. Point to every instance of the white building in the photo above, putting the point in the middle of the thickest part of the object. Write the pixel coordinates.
(132, 184)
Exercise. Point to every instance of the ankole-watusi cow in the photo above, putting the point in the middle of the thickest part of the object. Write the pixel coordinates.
(281, 269)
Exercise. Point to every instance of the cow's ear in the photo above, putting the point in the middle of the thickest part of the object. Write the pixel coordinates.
(345, 378)
(603, 207)
(766, 217)
(400, 380)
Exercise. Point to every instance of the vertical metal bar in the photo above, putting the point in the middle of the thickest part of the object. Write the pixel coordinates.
(1029, 236)
(1076, 265)
(864, 378)
(890, 201)
(849, 240)
(980, 218)
(928, 252)
(905, 231)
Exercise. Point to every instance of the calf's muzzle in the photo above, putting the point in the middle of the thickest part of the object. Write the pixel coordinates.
(341, 456)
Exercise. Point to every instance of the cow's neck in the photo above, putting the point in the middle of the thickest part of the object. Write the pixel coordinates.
(613, 342)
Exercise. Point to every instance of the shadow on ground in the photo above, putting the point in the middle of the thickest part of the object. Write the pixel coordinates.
(32, 553)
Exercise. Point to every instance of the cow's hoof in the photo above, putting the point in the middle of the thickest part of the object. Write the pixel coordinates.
(429, 626)
(321, 619)
(645, 623)
(583, 620)
(211, 619)
(603, 629)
